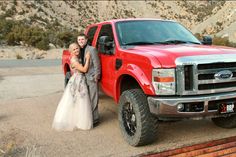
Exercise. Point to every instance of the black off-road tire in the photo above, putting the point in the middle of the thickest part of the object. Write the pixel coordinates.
(146, 124)
(67, 78)
(225, 122)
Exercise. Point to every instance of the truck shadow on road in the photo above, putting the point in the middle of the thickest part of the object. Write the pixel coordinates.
(189, 131)
(170, 133)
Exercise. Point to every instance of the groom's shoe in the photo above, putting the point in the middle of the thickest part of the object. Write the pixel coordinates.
(96, 122)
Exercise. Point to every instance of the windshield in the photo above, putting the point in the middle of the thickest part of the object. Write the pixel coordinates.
(149, 32)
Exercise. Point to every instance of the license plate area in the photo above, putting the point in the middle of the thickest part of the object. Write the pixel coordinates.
(227, 107)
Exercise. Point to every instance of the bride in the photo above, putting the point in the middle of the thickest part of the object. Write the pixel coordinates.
(74, 109)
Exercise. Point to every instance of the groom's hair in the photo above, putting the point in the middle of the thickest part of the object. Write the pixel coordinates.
(83, 35)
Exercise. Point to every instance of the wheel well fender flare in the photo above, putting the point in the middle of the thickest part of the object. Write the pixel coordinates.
(139, 76)
(66, 68)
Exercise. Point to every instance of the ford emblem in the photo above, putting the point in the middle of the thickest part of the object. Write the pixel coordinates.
(224, 74)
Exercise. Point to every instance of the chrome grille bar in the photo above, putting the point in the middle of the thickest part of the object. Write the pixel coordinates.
(204, 70)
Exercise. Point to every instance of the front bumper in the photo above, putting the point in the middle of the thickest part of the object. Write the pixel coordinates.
(167, 106)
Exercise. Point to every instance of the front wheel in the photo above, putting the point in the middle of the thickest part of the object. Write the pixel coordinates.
(225, 122)
(138, 125)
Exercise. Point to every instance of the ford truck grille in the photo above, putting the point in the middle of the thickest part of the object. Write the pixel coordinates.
(199, 77)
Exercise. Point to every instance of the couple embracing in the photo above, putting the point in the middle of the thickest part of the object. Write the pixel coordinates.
(78, 107)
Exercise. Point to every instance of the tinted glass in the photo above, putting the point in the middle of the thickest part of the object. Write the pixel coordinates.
(106, 30)
(91, 33)
(152, 31)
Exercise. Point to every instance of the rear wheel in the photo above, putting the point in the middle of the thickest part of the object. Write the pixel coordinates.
(138, 125)
(67, 78)
(225, 122)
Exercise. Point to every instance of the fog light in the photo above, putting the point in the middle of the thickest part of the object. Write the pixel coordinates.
(180, 107)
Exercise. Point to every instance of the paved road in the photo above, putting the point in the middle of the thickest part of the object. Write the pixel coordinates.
(25, 86)
(29, 63)
(28, 78)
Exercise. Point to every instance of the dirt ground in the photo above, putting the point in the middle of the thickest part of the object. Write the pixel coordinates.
(25, 122)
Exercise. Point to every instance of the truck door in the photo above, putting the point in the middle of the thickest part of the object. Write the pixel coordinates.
(107, 59)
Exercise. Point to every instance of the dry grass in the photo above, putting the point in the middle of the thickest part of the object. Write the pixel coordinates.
(18, 56)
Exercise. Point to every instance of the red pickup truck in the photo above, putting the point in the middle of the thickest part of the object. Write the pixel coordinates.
(157, 70)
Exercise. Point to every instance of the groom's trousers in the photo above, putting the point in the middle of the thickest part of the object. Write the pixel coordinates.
(93, 94)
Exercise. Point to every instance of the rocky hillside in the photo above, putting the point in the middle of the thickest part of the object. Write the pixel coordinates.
(204, 17)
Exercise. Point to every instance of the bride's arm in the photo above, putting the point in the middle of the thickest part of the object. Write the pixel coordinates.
(80, 67)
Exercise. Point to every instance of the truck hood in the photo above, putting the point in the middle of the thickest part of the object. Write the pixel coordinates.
(165, 55)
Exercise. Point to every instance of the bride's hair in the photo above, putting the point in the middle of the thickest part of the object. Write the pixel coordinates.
(71, 47)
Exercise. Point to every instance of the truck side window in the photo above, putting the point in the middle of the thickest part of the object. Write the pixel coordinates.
(106, 30)
(91, 33)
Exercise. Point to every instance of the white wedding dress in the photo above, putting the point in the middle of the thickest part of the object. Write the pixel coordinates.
(74, 109)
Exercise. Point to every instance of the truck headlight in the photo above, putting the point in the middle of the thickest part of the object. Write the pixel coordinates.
(163, 81)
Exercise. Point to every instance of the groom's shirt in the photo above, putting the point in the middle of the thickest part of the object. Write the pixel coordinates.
(82, 52)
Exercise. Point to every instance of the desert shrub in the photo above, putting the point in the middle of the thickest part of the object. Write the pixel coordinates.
(15, 2)
(43, 44)
(202, 10)
(223, 41)
(15, 35)
(198, 36)
(10, 39)
(22, 12)
(9, 13)
(36, 37)
(5, 26)
(3, 8)
(10, 30)
(18, 32)
(18, 56)
(66, 37)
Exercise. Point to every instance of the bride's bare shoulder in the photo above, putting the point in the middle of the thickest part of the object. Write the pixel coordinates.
(74, 59)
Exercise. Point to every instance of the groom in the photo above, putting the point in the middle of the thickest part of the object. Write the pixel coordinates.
(93, 74)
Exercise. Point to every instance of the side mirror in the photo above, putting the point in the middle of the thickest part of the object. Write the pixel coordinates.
(207, 40)
(106, 45)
